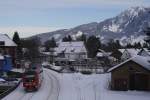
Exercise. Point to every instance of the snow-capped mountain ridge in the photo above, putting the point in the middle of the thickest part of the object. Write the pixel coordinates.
(130, 22)
(135, 17)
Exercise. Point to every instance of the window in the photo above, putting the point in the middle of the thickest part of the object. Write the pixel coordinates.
(2, 43)
(1, 63)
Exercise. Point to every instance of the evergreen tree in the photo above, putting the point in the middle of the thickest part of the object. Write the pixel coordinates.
(50, 44)
(137, 45)
(82, 38)
(129, 45)
(145, 45)
(93, 44)
(17, 40)
(113, 45)
(147, 32)
(118, 45)
(67, 39)
(32, 46)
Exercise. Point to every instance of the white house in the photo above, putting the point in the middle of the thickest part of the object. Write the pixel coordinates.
(128, 53)
(71, 50)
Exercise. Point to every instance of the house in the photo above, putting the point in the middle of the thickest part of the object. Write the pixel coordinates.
(100, 54)
(117, 53)
(103, 57)
(132, 74)
(128, 53)
(144, 52)
(48, 56)
(8, 47)
(71, 51)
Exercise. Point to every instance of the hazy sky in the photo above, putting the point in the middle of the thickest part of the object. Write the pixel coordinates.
(30, 17)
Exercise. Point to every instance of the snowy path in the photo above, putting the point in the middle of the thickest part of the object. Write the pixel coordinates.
(48, 91)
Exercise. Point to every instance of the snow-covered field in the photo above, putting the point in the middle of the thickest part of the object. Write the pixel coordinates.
(94, 87)
(76, 87)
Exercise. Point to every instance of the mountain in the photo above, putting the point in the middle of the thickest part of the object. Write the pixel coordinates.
(128, 25)
(88, 29)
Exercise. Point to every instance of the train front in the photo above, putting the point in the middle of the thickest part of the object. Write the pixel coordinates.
(30, 80)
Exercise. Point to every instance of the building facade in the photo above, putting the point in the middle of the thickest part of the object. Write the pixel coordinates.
(71, 51)
(8, 47)
(132, 74)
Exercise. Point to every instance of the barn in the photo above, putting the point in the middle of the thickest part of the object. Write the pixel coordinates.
(132, 74)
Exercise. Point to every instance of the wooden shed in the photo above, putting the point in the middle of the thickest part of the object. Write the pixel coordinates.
(132, 74)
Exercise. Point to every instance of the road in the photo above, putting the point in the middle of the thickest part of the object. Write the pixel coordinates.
(49, 90)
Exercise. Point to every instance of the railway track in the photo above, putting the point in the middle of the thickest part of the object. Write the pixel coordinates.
(27, 96)
(49, 90)
(54, 94)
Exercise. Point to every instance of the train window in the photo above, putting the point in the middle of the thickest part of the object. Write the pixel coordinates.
(30, 73)
(30, 76)
(30, 79)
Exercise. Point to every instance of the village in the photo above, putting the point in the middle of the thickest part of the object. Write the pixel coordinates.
(75, 50)
(129, 67)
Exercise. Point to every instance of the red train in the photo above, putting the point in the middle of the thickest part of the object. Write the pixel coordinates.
(32, 77)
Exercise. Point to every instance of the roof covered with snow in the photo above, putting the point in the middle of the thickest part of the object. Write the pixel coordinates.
(70, 47)
(1, 57)
(2, 80)
(132, 52)
(144, 52)
(99, 54)
(141, 60)
(49, 53)
(7, 41)
(121, 50)
(100, 50)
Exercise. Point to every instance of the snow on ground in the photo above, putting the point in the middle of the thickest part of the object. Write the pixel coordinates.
(18, 70)
(93, 87)
(76, 86)
(48, 90)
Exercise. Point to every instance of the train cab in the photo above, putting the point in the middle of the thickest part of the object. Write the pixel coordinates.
(32, 78)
